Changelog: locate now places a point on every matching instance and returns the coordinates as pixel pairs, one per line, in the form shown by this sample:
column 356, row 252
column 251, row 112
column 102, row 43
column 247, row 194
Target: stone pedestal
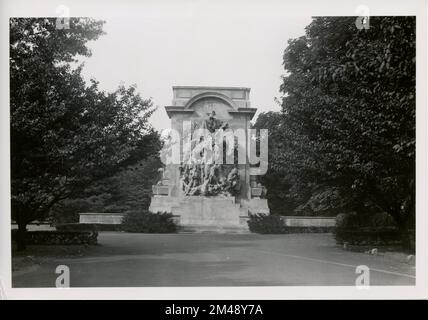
column 161, row 203
column 255, row 206
column 199, row 213
column 161, row 190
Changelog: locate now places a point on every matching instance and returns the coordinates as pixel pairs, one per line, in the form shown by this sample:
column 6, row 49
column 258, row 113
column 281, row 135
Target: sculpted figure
column 213, row 175
column 194, row 177
column 207, row 169
column 213, row 123
column 185, row 178
column 163, row 177
column 233, row 183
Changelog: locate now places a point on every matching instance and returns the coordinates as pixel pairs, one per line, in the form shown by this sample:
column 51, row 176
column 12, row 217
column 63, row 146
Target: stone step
column 212, row 222
column 212, row 229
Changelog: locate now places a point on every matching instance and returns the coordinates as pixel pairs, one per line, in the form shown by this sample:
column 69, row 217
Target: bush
column 59, row 237
column 354, row 220
column 148, row 222
column 350, row 220
column 368, row 236
column 76, row 227
column 67, row 210
column 108, row 227
column 88, row 227
column 382, row 219
column 266, row 224
column 377, row 229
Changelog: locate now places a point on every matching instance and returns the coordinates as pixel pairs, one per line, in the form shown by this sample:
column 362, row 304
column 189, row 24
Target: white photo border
column 103, row 9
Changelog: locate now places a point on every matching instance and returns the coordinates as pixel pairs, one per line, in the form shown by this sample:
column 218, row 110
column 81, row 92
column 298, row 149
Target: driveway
column 138, row 260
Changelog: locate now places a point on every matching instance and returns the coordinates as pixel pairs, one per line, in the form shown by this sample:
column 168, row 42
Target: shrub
column 382, row 219
column 59, row 237
column 148, row 222
column 77, row 227
column 88, row 227
column 326, row 203
column 266, row 224
column 108, row 227
column 368, row 236
column 377, row 229
column 67, row 210
column 354, row 220
column 350, row 220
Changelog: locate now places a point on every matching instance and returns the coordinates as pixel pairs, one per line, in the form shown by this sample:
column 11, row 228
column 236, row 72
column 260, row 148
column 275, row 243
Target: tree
column 64, row 134
column 127, row 190
column 349, row 115
column 278, row 182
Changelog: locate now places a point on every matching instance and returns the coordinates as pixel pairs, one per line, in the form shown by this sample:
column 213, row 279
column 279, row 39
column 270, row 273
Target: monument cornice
column 213, row 88
column 250, row 111
column 171, row 110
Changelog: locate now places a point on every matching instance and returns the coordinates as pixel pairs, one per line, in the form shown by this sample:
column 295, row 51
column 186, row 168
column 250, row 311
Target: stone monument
column 210, row 185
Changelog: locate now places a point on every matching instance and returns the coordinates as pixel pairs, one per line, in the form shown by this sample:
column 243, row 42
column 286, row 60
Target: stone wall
column 101, row 218
column 297, row 221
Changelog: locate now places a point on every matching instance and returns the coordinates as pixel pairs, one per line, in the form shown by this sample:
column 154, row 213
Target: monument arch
column 209, row 94
column 204, row 196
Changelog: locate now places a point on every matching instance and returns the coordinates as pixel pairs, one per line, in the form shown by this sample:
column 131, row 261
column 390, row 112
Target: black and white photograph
column 226, row 145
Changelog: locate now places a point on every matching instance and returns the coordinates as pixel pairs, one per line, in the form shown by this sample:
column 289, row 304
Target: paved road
column 138, row 260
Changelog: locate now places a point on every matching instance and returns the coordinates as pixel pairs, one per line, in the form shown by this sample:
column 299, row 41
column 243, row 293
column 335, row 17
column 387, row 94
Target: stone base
column 203, row 214
column 163, row 203
column 256, row 205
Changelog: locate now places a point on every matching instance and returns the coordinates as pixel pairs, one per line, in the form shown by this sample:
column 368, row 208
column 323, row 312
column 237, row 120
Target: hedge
column 368, row 236
column 88, row 227
column 354, row 220
column 266, row 224
column 148, row 222
column 357, row 229
column 76, row 227
column 59, row 237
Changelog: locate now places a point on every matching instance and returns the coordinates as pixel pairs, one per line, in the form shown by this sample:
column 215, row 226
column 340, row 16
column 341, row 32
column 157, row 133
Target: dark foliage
column 345, row 139
column 64, row 134
column 354, row 220
column 58, row 237
column 266, row 224
column 147, row 222
column 76, row 227
column 368, row 236
column 127, row 190
column 379, row 229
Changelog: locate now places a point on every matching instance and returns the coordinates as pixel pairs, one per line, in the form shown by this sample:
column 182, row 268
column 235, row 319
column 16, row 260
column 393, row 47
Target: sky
column 193, row 46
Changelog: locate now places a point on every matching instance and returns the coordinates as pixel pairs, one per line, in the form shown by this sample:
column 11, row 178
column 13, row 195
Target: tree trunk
column 20, row 237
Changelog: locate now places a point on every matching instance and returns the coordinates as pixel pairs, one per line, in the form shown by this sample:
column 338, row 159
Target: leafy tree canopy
column 348, row 117
column 65, row 134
